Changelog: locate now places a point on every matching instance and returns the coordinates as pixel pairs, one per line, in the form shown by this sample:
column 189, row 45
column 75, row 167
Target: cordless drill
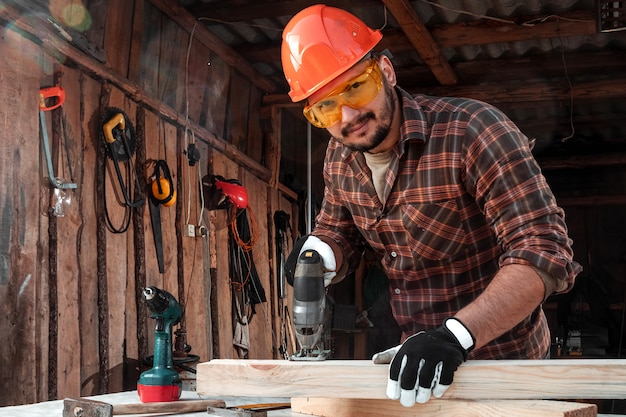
column 162, row 382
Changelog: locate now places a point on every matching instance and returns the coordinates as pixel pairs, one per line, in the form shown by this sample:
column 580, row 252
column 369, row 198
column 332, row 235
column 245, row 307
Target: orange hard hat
column 320, row 43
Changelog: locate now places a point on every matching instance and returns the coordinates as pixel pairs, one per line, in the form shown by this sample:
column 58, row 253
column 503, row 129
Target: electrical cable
column 571, row 96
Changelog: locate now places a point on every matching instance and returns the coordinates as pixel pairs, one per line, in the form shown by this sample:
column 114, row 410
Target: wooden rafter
column 421, row 39
column 514, row 92
column 455, row 35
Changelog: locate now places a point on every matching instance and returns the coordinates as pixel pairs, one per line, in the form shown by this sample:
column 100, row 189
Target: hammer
column 83, row 407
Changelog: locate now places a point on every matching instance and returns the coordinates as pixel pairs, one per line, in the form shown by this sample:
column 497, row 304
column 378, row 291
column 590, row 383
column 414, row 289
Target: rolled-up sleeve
column 516, row 199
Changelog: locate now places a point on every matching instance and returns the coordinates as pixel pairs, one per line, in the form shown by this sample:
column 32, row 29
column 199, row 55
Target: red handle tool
column 46, row 94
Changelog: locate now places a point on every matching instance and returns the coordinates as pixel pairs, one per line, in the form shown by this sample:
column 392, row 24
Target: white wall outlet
column 190, row 230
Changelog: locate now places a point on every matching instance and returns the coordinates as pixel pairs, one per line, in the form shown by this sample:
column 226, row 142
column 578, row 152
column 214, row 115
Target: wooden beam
column 352, row 407
column 474, row 380
column 451, row 36
column 534, row 92
column 421, row 39
column 225, row 12
column 484, row 31
column 511, row 92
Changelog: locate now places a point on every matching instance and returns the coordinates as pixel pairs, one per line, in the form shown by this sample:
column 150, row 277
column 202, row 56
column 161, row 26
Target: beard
column 367, row 143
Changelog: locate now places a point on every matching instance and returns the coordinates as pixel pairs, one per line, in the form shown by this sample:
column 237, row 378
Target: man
column 445, row 190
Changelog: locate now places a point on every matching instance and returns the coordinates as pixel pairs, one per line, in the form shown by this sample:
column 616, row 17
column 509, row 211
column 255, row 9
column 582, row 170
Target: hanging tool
column 161, row 383
column 281, row 223
column 224, row 193
column 84, row 407
column 162, row 192
column 56, row 95
column 310, row 315
column 121, row 142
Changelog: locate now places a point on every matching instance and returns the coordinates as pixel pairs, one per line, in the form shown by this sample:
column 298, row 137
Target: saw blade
column 125, row 143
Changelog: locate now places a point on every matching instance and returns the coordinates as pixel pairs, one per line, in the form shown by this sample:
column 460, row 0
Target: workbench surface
column 55, row 408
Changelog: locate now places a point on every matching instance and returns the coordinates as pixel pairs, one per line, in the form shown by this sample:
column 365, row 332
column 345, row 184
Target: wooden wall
column 71, row 314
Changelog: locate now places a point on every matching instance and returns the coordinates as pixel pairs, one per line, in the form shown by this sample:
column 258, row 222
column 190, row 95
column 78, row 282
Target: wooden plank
column 22, row 285
column 215, row 102
column 474, row 380
column 353, row 407
column 167, row 151
column 261, row 328
column 119, row 259
column 255, row 142
column 68, row 230
column 118, row 35
column 221, row 301
column 197, row 285
column 238, row 108
column 196, row 96
column 171, row 64
column 135, row 54
column 87, row 242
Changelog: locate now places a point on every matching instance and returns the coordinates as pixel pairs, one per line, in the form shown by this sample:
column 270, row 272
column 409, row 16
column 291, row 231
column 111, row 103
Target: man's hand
column 425, row 363
column 311, row 242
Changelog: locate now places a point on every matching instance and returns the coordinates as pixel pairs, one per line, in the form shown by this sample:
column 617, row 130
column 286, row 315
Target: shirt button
column 397, row 290
column 393, row 254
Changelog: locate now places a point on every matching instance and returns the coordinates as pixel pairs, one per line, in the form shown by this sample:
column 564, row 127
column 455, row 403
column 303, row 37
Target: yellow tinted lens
column 324, row 113
column 356, row 93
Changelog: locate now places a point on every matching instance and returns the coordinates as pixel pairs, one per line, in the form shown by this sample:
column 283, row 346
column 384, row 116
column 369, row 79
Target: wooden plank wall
column 70, row 286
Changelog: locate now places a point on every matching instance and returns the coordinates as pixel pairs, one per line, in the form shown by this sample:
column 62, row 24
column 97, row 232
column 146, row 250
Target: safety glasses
column 355, row 93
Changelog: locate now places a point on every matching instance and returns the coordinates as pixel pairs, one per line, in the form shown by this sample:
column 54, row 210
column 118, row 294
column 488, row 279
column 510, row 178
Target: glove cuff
column 460, row 332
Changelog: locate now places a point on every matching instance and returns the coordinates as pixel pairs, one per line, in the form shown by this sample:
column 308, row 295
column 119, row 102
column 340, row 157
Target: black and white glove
column 425, row 363
column 311, row 242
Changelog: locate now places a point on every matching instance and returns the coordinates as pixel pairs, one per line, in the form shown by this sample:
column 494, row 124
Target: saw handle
column 48, row 93
column 112, row 123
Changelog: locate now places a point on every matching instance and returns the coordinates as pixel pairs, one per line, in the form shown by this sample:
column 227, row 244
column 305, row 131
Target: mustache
column 365, row 117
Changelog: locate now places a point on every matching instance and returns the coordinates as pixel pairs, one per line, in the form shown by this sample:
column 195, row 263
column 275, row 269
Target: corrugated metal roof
column 566, row 53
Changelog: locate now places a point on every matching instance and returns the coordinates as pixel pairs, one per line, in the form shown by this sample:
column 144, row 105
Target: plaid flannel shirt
column 463, row 196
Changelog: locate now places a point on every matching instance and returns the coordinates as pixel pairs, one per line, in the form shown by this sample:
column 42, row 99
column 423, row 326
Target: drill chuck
column 156, row 299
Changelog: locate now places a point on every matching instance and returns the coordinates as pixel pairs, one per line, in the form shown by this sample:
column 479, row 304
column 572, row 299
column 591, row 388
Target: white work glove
column 327, row 255
column 425, row 363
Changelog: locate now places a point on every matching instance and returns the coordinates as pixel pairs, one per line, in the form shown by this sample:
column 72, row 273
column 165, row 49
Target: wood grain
column 352, row 407
column 474, row 380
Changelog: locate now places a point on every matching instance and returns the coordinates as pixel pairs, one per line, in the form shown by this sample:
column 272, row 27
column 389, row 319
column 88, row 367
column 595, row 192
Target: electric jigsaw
column 161, row 383
column 310, row 313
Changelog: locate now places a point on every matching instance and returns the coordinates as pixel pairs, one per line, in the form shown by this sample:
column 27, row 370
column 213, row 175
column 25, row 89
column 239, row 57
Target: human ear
column 386, row 67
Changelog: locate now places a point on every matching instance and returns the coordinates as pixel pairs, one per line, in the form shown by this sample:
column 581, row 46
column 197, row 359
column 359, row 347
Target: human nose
column 348, row 113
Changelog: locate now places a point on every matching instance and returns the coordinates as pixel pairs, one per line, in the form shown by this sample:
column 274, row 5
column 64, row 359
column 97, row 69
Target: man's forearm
column 514, row 293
